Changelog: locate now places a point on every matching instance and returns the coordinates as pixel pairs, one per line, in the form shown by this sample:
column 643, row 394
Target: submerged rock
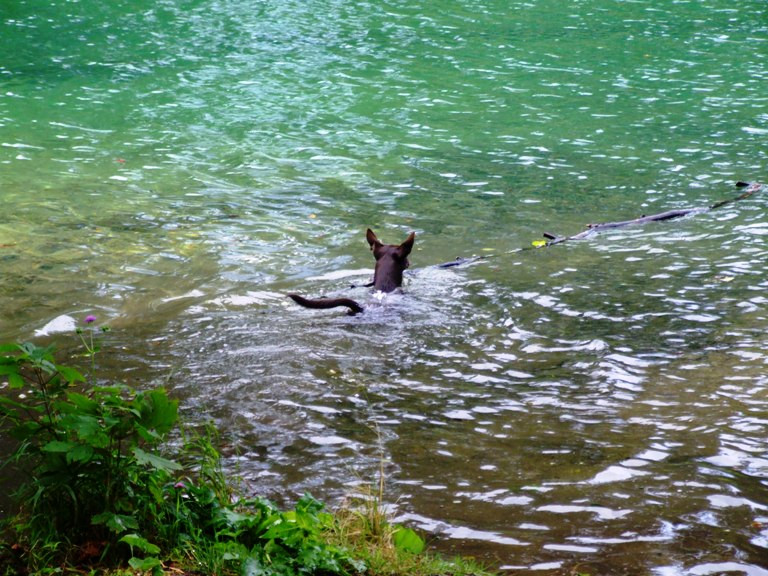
column 63, row 323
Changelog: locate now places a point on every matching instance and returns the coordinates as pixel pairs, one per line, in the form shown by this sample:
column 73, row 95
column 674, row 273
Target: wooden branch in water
column 552, row 239
column 592, row 228
column 751, row 188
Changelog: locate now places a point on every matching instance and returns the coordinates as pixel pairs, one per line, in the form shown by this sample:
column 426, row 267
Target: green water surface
column 174, row 167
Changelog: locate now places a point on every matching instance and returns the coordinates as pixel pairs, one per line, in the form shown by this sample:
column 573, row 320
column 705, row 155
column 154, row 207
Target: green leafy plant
column 253, row 536
column 88, row 458
column 366, row 523
column 96, row 487
column 90, row 342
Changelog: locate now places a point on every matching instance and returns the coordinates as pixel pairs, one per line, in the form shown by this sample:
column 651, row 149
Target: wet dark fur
column 391, row 262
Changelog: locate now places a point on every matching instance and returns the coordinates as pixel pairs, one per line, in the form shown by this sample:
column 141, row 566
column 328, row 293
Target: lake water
column 599, row 406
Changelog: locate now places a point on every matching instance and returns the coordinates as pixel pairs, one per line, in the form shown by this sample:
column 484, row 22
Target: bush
column 91, row 471
column 96, row 488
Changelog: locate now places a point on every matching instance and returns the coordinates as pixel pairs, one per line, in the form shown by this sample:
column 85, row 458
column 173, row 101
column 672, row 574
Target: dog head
column 391, row 261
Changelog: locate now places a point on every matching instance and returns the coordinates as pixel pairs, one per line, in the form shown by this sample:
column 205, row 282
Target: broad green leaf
column 80, row 453
column 58, row 446
column 15, row 381
column 39, row 356
column 70, row 374
column 309, row 503
column 82, row 402
column 234, row 518
column 149, row 436
column 90, row 429
column 407, row 540
column 157, row 462
column 158, row 411
column 136, row 541
column 110, row 390
column 116, row 522
column 145, row 564
column 4, row 401
column 8, row 348
column 27, row 430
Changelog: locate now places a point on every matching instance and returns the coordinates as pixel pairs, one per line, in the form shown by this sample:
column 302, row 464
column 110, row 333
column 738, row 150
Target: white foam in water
column 616, row 474
column 723, row 567
column 329, row 440
column 601, row 512
column 190, row 294
column 341, row 274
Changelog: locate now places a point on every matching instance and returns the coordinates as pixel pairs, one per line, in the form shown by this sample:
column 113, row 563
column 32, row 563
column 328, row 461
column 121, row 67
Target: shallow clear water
column 598, row 406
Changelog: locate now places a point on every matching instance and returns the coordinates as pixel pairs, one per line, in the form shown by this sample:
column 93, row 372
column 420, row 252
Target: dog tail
column 322, row 303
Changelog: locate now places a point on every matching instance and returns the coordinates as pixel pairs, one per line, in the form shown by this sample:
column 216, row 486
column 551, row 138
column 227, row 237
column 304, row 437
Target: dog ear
column 407, row 246
column 371, row 237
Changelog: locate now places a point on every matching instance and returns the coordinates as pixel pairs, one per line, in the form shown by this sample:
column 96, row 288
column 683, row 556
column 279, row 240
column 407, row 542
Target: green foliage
column 95, row 480
column 365, row 527
column 90, row 343
column 407, row 540
column 259, row 538
column 90, row 470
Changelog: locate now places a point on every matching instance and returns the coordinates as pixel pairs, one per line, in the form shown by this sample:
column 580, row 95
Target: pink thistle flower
column 90, row 319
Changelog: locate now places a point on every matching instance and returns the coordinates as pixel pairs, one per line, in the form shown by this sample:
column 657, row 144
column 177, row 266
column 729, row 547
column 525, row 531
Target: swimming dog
column 391, row 262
